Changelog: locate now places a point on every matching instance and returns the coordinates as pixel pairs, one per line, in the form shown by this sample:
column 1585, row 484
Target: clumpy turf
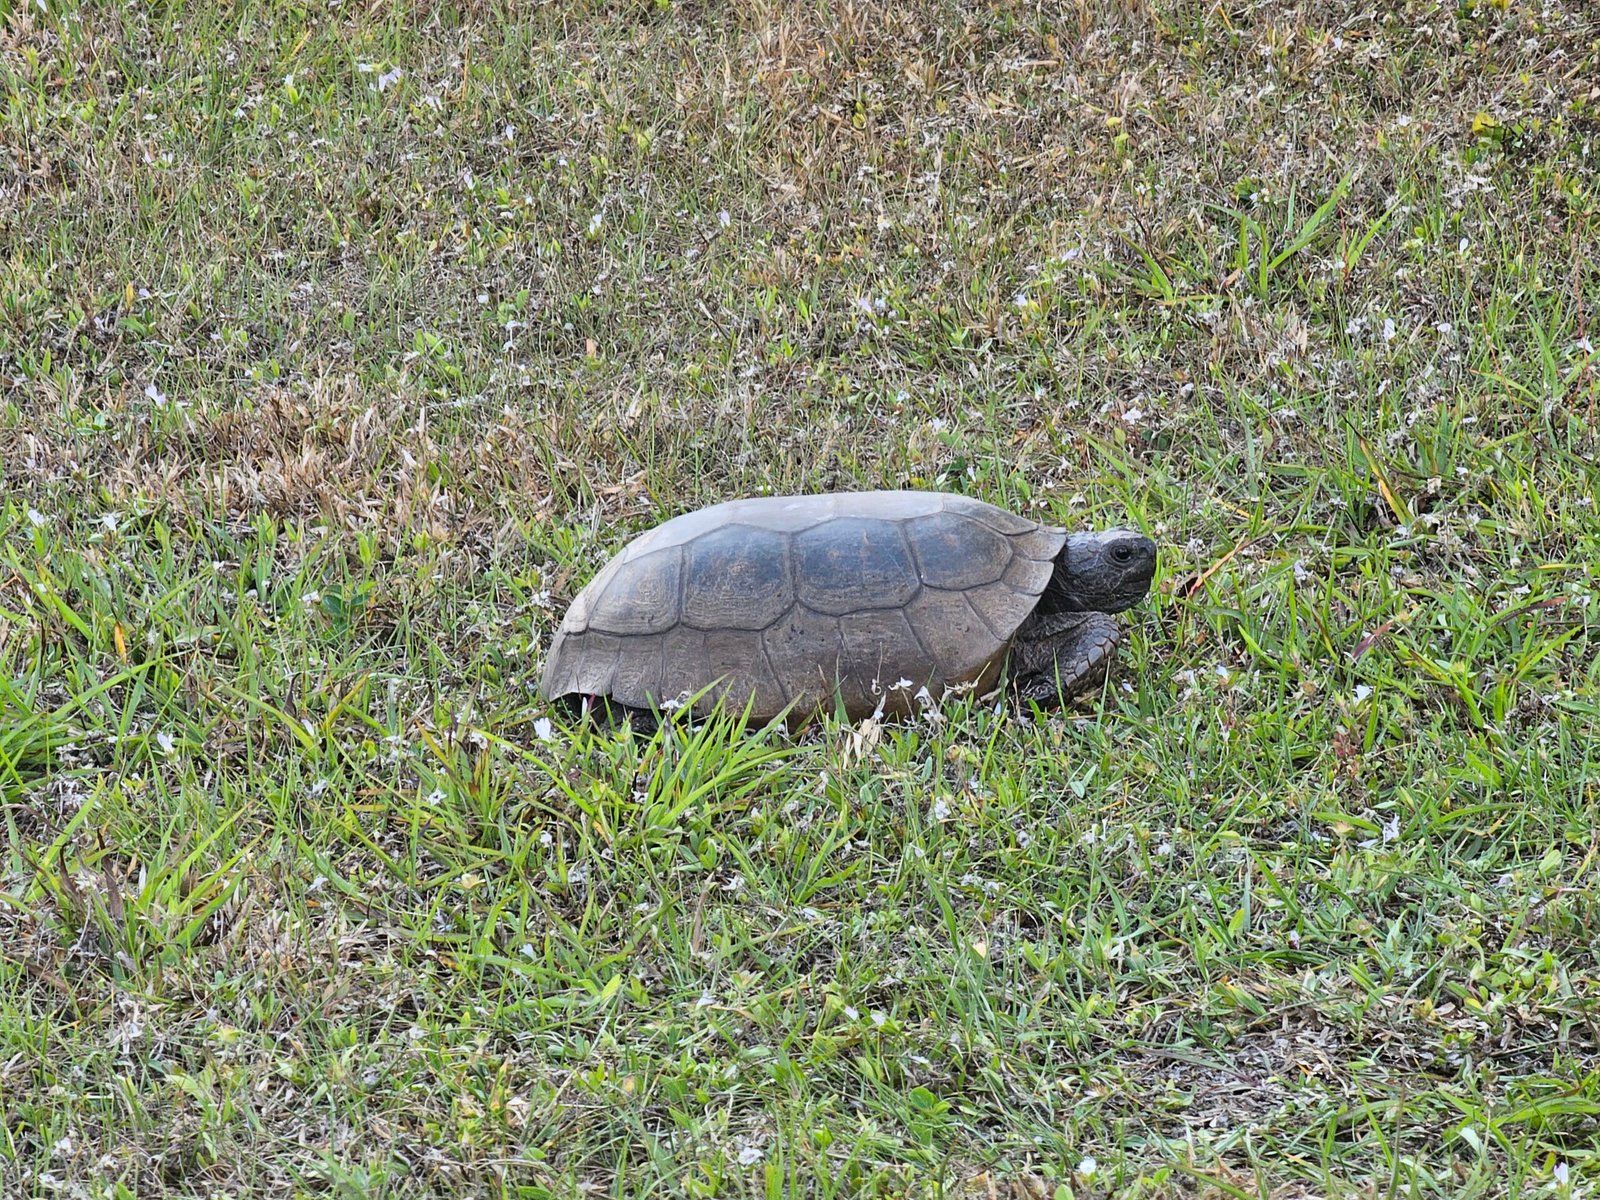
column 340, row 344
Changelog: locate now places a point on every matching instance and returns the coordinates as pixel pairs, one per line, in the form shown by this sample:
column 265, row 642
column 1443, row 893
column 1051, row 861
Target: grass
column 341, row 344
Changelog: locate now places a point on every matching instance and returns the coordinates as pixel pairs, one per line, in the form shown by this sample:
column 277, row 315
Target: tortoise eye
column 1122, row 553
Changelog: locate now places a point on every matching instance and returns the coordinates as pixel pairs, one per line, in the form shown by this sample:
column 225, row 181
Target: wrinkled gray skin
column 1065, row 649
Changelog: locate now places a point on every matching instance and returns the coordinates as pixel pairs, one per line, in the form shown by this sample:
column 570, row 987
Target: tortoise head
column 1106, row 571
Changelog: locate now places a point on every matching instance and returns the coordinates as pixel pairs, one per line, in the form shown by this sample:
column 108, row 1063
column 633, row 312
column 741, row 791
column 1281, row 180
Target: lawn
column 341, row 342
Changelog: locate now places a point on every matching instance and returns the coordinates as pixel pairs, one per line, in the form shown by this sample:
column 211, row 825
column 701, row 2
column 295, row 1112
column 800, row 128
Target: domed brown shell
column 864, row 596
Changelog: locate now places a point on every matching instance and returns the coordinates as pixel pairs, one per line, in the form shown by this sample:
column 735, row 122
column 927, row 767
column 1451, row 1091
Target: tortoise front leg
column 1059, row 656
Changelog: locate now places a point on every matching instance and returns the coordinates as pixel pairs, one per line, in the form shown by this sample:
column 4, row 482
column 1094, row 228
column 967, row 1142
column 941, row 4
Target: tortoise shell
column 863, row 597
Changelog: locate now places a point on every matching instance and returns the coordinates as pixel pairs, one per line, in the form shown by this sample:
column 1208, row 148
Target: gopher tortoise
column 852, row 602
